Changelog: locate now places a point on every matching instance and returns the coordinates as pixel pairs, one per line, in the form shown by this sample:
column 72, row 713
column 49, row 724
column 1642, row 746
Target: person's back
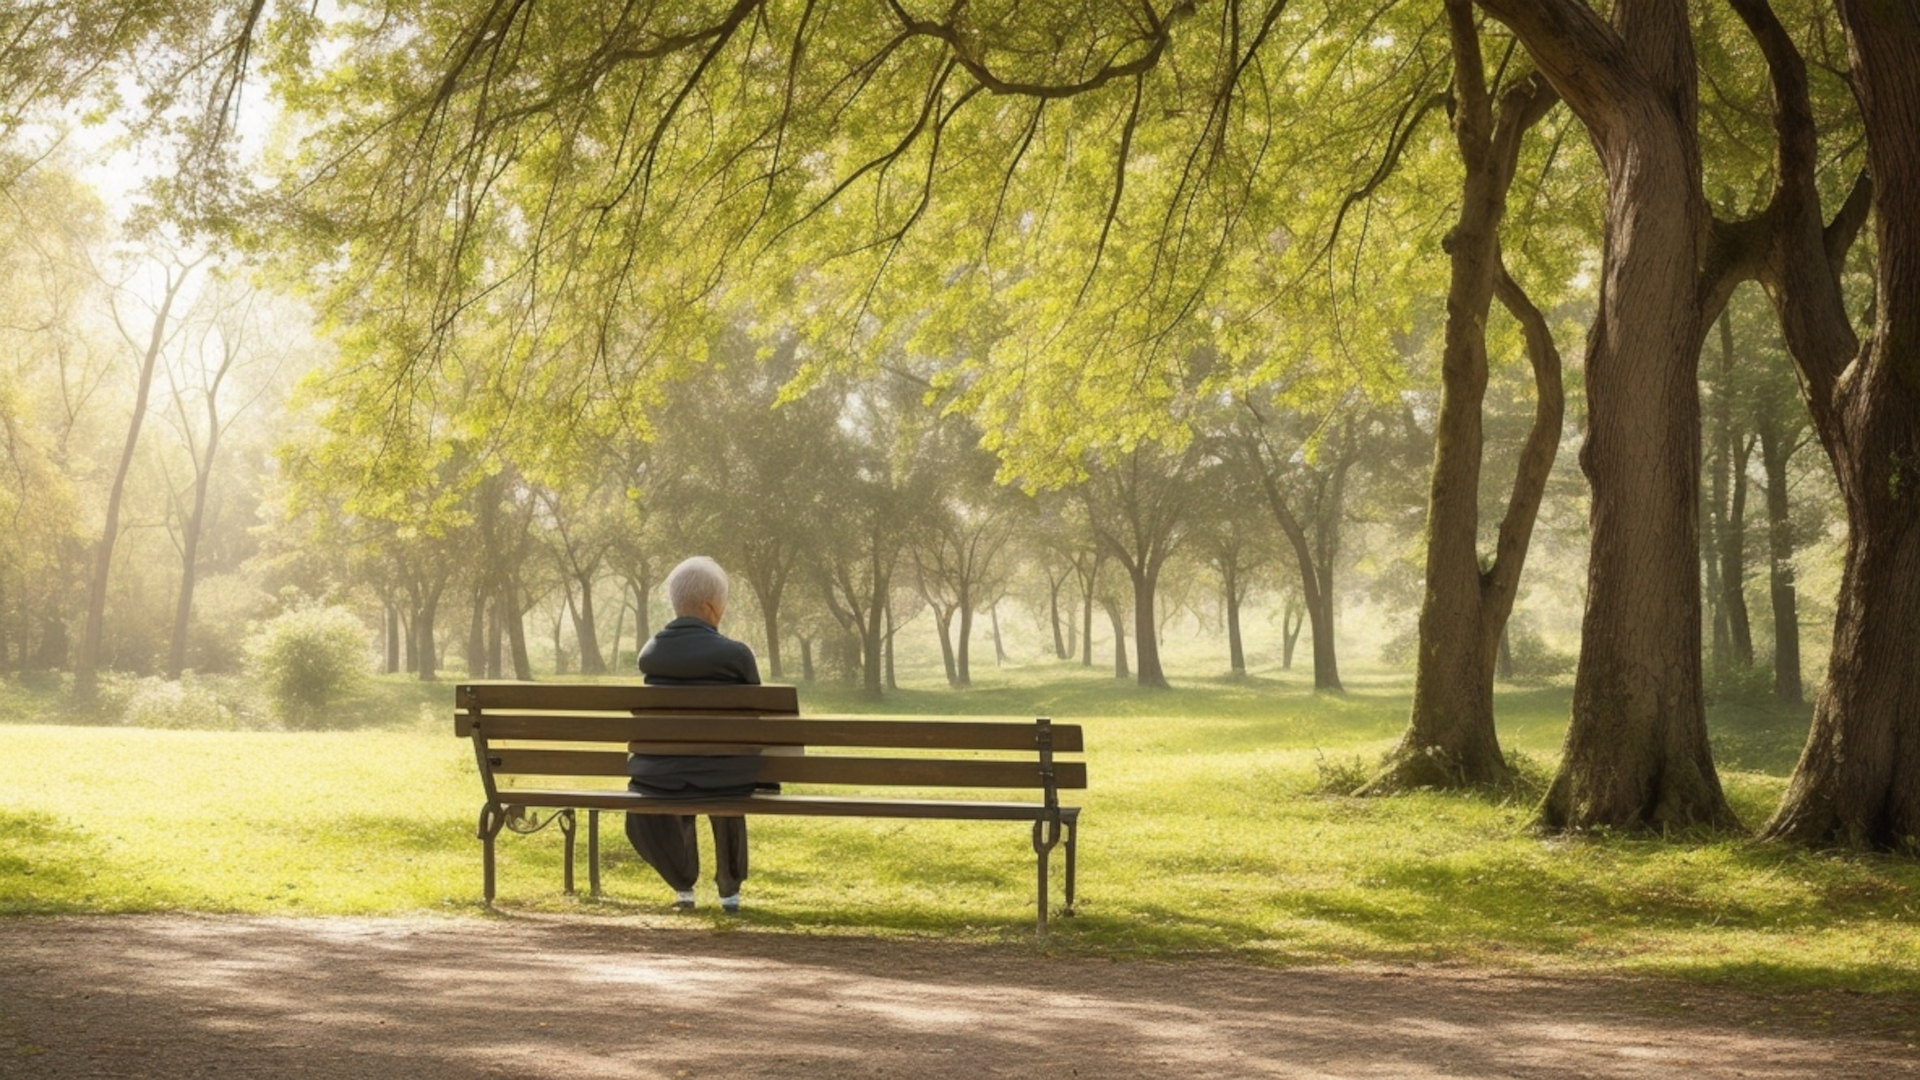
column 691, row 651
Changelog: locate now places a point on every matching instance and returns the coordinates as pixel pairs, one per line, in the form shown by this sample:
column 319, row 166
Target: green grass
column 1203, row 834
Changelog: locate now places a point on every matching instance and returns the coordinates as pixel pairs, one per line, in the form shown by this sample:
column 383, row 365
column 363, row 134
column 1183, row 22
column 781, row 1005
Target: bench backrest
column 585, row 731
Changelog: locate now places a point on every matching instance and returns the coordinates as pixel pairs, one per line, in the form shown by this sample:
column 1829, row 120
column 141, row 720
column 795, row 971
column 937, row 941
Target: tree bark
column 1780, row 584
column 1858, row 780
column 1236, row 649
column 1119, row 640
column 477, row 634
column 1451, row 740
column 1292, row 618
column 1636, row 752
column 1146, row 641
column 943, row 625
column 515, row 616
column 963, row 648
column 586, row 634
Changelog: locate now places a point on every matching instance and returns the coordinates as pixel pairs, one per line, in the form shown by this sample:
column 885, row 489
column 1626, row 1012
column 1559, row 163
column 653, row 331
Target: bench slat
column 789, row 806
column 784, row 731
column 901, row 772
column 626, row 697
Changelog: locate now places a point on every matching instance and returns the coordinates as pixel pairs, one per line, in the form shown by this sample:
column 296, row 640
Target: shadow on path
column 422, row 999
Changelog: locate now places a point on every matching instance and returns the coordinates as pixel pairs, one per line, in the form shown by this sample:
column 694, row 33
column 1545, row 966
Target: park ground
column 647, row 997
column 262, row 903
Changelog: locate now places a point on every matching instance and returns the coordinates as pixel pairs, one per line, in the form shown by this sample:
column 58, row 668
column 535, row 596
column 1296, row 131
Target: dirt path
column 423, row 999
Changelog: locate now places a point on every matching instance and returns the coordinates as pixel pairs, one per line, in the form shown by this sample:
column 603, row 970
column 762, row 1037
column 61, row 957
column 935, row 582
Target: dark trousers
column 669, row 844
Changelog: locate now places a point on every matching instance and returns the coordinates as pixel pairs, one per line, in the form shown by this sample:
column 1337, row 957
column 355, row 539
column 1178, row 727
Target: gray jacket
column 689, row 652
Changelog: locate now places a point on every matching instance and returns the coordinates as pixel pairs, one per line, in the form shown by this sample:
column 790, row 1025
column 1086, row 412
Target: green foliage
column 306, row 660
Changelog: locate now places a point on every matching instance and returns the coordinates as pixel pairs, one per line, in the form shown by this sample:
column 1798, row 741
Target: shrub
column 189, row 703
column 307, row 659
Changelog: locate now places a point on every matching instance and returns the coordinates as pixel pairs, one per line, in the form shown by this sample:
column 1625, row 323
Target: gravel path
column 425, row 998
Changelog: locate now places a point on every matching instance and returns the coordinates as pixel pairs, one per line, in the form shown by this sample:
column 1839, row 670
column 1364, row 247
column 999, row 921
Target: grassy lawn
column 1204, row 832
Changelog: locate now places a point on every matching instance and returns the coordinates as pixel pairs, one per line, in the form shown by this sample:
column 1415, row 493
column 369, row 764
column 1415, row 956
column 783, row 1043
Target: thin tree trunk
column 1086, row 630
column 1780, row 583
column 515, row 617
column 999, row 647
column 477, row 635
column 1236, row 651
column 496, row 641
column 94, row 635
column 1119, row 641
column 1292, row 618
column 892, row 683
column 963, row 647
column 1054, row 585
column 1733, row 554
column 190, row 547
column 392, row 636
column 1714, row 519
column 585, row 633
column 429, row 669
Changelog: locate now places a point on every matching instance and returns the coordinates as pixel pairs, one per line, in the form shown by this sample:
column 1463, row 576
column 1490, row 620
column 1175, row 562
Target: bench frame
column 747, row 719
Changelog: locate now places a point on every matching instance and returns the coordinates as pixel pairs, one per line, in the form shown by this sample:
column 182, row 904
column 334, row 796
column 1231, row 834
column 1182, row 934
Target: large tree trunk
column 1636, row 752
column 1450, row 740
column 1858, row 780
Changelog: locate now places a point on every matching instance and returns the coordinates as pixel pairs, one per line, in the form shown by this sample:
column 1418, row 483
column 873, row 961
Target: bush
column 189, row 703
column 1534, row 661
column 307, row 659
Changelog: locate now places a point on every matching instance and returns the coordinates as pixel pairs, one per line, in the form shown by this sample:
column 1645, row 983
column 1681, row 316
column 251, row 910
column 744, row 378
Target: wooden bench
column 563, row 748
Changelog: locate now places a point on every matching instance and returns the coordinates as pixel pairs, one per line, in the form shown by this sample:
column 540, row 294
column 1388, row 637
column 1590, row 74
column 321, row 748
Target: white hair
column 696, row 581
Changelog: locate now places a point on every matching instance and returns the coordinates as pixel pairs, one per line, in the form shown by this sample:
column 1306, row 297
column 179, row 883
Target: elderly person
column 691, row 651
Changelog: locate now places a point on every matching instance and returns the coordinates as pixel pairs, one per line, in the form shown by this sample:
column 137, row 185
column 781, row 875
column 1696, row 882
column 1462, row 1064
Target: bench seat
column 560, row 739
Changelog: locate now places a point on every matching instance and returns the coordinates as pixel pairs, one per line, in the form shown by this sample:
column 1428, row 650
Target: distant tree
column 146, row 344
column 1140, row 506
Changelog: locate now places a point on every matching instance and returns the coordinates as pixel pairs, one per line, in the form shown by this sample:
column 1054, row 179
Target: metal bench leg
column 593, row 853
column 1043, row 893
column 566, row 830
column 491, row 819
column 1046, row 834
column 1073, row 834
